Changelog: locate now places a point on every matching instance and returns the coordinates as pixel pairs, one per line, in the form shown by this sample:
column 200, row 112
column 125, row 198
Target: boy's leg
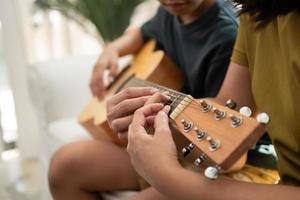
column 80, row 169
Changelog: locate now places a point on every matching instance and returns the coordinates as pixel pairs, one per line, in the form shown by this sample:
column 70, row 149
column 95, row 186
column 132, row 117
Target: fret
column 174, row 103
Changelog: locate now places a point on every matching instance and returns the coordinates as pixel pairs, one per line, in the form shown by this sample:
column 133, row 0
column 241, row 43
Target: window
column 8, row 125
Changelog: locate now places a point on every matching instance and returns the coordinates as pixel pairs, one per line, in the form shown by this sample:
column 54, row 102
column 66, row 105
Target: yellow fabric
column 273, row 57
column 255, row 175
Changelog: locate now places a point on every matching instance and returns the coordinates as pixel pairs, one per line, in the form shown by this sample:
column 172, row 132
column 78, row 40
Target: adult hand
column 121, row 107
column 150, row 154
column 107, row 60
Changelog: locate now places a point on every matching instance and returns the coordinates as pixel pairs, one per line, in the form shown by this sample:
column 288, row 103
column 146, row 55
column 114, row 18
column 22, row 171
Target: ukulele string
column 193, row 104
column 172, row 93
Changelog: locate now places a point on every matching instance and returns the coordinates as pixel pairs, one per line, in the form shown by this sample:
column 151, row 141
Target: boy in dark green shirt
column 201, row 49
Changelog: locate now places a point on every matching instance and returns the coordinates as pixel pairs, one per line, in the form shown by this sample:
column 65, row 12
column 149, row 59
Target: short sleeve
column 239, row 54
column 151, row 29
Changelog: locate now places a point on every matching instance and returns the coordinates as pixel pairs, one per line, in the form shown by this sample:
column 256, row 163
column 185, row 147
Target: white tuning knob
column 263, row 118
column 246, row 111
column 211, row 173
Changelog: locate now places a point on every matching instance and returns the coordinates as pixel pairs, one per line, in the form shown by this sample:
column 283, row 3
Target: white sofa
column 59, row 90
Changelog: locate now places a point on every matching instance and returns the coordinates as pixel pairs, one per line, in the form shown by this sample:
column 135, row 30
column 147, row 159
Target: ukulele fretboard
column 177, row 99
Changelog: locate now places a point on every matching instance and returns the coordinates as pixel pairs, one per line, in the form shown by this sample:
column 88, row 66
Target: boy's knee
column 62, row 167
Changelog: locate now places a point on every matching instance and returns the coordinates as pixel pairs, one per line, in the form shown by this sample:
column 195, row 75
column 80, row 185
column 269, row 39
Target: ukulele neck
column 178, row 100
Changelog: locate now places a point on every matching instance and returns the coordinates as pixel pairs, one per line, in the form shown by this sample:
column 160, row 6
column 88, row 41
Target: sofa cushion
column 61, row 87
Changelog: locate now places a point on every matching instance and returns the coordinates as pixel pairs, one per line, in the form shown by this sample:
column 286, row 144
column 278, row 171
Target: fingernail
column 154, row 90
column 161, row 105
column 167, row 109
column 166, row 94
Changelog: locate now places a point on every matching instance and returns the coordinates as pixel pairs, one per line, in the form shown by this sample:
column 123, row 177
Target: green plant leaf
column 110, row 17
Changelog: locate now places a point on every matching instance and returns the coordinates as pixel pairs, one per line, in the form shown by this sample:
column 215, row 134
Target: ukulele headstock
column 222, row 135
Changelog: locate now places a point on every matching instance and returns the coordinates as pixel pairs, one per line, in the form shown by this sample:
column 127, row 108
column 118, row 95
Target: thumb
column 113, row 68
column 162, row 128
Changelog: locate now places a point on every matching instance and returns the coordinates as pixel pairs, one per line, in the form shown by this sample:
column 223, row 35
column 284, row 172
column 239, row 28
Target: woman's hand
column 151, row 154
column 121, row 107
column 107, row 60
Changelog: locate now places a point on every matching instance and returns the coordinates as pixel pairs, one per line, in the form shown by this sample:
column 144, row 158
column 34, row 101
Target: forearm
column 180, row 184
column 130, row 42
column 237, row 86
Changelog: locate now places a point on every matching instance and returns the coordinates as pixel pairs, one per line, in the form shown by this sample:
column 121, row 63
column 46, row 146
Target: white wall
column 12, row 15
column 0, row 39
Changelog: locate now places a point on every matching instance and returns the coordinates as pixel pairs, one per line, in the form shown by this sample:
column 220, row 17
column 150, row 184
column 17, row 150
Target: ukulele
column 209, row 134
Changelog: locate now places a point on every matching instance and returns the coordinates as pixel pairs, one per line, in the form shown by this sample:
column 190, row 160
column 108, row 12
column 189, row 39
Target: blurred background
column 47, row 51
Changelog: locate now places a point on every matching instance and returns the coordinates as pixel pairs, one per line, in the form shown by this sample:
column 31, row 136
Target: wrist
column 171, row 180
column 111, row 48
column 181, row 183
column 165, row 173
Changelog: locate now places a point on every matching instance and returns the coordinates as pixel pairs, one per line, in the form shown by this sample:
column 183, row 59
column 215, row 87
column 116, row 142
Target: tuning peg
column 205, row 107
column 246, row 111
column 200, row 134
column 213, row 144
column 187, row 126
column 218, row 113
column 235, row 121
column 212, row 172
column 231, row 104
column 187, row 150
column 263, row 118
column 199, row 160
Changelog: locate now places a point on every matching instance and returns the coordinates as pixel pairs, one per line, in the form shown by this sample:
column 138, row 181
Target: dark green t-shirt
column 201, row 49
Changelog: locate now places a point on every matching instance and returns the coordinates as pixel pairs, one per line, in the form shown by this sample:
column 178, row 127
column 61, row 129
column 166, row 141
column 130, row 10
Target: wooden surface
column 253, row 174
column 235, row 142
